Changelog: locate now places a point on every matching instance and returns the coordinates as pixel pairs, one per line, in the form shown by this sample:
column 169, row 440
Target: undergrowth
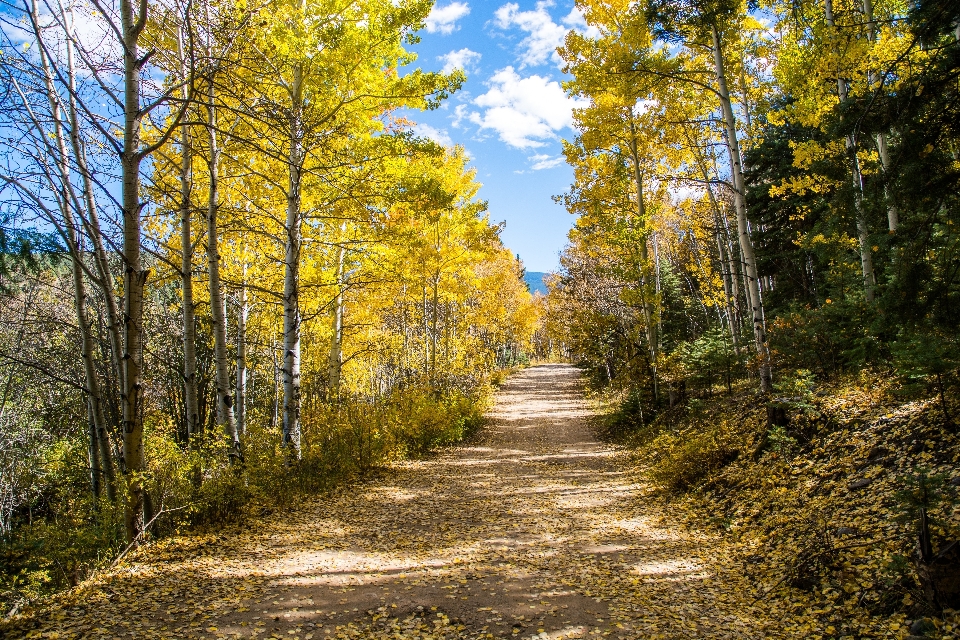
column 813, row 508
column 65, row 534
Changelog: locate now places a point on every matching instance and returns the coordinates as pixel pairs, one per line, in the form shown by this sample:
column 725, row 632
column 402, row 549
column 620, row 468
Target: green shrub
column 681, row 460
column 65, row 534
column 780, row 441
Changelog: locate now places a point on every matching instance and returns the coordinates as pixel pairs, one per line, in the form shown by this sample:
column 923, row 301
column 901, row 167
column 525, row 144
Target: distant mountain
column 534, row 280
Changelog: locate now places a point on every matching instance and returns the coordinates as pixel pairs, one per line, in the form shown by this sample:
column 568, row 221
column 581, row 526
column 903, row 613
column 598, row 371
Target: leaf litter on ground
column 534, row 530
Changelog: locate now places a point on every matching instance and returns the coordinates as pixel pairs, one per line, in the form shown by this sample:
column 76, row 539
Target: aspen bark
column 218, row 312
column 743, row 231
column 242, row 311
column 85, row 324
column 728, row 294
column 893, row 214
column 863, row 231
column 191, row 403
column 434, row 312
column 726, row 259
column 650, row 323
column 138, row 509
column 277, row 366
column 737, row 279
column 426, row 329
column 93, row 455
column 336, row 339
column 729, row 284
column 190, row 397
column 291, row 277
column 94, row 395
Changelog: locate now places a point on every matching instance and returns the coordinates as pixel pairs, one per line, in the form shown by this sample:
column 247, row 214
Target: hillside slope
column 822, row 512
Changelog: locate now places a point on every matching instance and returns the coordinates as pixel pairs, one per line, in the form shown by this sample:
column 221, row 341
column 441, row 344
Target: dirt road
column 535, row 530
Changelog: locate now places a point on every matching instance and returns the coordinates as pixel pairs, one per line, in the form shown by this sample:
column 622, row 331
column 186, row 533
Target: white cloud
column 523, row 111
column 440, row 136
column 460, row 59
column 459, row 113
column 544, row 161
column 544, row 37
column 577, row 22
column 680, row 194
column 644, row 105
column 444, row 19
column 91, row 33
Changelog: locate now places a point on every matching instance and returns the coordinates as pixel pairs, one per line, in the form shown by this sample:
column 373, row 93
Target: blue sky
column 510, row 115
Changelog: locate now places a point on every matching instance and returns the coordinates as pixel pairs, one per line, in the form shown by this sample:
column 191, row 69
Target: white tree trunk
column 336, row 339
column 743, row 232
column 725, row 257
column 893, row 214
column 139, row 509
column 93, row 455
column 291, row 276
column 242, row 311
column 191, row 403
column 434, row 314
column 863, row 231
column 726, row 268
column 218, row 312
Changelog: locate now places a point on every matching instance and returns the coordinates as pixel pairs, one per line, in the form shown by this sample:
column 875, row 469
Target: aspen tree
column 863, row 230
column 51, row 146
column 89, row 214
column 102, row 462
column 310, row 54
column 126, row 26
column 218, row 311
column 893, row 214
column 335, row 360
column 243, row 310
column 191, row 407
column 739, row 199
column 626, row 53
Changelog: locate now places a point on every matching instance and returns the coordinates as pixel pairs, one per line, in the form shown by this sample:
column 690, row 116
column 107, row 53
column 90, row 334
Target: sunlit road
column 534, row 530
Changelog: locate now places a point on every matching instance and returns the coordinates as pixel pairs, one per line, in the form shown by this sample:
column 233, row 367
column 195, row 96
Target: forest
column 234, row 278
column 777, row 183
column 230, row 271
column 763, row 279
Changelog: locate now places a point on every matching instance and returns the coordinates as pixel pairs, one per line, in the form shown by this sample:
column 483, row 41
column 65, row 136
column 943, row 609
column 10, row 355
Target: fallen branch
column 143, row 531
column 18, row 606
column 793, row 570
